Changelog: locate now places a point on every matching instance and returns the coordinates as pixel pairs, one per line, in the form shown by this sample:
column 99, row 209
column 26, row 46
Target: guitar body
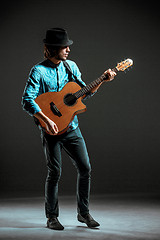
column 61, row 107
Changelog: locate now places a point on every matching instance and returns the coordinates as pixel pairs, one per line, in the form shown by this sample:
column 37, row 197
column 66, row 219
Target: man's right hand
column 51, row 126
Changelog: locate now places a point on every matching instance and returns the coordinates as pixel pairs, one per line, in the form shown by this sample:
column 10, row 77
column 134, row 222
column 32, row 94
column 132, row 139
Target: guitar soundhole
column 70, row 99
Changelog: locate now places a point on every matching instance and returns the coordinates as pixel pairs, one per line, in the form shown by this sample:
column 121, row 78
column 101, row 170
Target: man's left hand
column 111, row 74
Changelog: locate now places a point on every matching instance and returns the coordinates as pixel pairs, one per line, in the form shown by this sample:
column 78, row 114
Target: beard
column 61, row 56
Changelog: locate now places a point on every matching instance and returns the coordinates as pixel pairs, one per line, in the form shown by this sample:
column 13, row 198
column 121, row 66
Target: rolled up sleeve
column 31, row 91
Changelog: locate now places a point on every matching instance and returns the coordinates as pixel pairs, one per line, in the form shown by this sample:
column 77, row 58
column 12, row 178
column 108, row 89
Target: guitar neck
column 122, row 66
column 92, row 85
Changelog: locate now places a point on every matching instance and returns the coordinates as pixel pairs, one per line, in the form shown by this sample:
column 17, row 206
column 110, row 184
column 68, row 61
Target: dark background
column 122, row 124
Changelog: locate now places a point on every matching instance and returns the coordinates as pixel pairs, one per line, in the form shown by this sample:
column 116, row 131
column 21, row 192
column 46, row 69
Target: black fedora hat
column 57, row 37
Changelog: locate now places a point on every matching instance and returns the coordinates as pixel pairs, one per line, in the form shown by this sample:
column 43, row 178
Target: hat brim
column 68, row 43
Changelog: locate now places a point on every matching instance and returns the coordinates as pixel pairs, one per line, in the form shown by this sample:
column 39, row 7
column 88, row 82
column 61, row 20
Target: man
column 48, row 76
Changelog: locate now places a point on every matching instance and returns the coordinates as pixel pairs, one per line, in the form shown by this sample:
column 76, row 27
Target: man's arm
column 111, row 74
column 31, row 91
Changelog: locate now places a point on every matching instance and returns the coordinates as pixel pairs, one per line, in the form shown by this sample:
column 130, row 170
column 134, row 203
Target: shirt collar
column 51, row 64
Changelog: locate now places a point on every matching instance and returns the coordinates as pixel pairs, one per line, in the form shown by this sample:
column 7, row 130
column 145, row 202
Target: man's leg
column 75, row 146
column 52, row 148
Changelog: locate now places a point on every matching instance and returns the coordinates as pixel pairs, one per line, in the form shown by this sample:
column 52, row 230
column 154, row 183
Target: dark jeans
column 73, row 143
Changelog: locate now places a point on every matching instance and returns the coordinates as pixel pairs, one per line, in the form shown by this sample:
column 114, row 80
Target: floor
column 121, row 218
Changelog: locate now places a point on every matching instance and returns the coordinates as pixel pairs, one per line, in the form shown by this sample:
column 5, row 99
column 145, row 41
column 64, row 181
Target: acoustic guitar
column 61, row 107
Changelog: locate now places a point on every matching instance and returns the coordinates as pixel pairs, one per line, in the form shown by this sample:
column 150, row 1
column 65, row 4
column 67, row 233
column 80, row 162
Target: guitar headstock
column 122, row 66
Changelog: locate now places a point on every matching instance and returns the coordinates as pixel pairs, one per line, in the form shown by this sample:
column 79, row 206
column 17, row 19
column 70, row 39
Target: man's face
column 63, row 53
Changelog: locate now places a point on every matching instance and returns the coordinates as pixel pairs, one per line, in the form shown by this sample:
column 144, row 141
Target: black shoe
column 91, row 223
column 53, row 223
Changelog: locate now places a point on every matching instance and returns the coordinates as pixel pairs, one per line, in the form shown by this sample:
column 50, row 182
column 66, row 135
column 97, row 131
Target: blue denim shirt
column 48, row 77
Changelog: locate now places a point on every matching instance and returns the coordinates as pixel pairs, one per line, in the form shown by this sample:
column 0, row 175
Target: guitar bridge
column 55, row 110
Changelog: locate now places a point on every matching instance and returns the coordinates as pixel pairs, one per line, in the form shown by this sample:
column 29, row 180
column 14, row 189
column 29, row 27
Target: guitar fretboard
column 92, row 85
